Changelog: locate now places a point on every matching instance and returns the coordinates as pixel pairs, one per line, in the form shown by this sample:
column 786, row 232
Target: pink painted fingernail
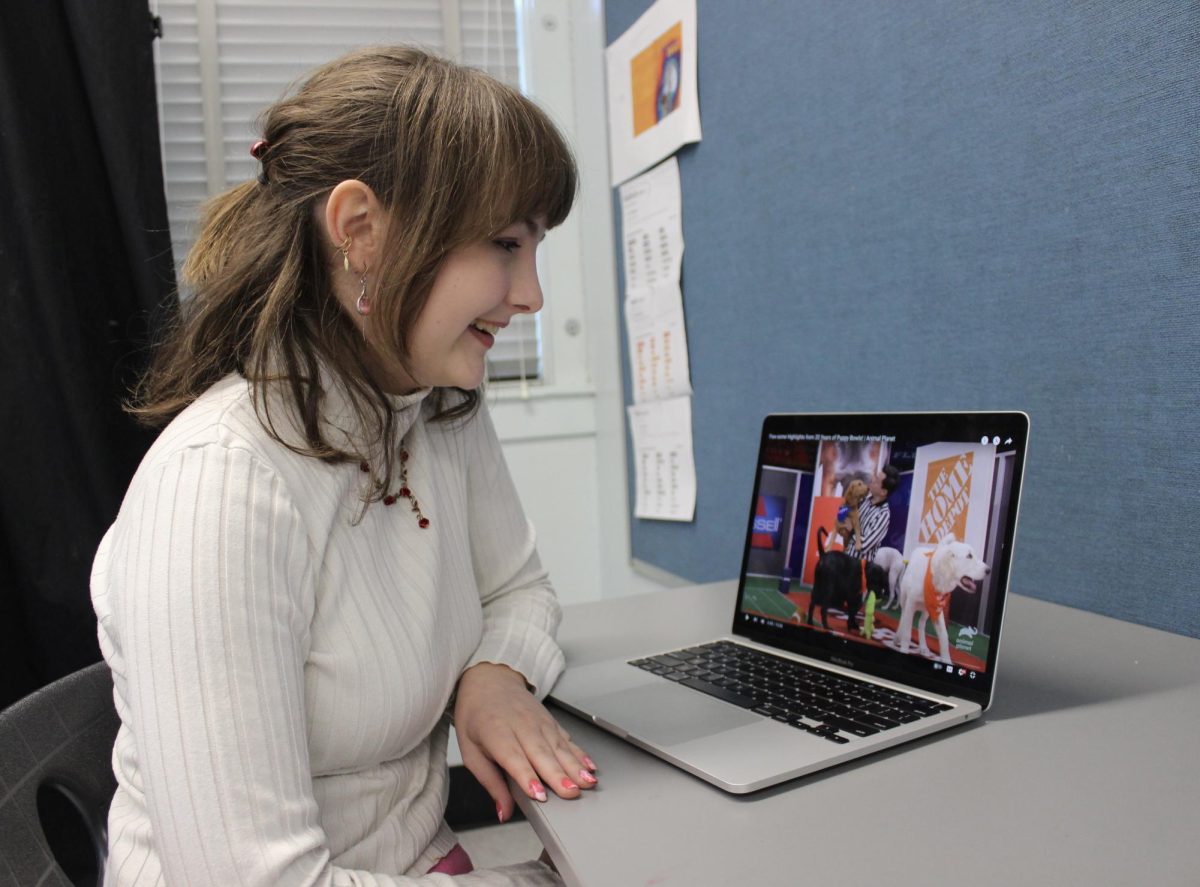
column 499, row 811
column 568, row 784
column 537, row 790
column 587, row 777
column 589, row 763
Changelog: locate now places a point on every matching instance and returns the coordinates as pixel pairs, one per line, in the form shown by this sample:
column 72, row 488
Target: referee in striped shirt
column 874, row 516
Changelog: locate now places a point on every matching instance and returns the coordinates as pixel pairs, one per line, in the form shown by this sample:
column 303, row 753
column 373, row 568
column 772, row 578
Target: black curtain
column 86, row 277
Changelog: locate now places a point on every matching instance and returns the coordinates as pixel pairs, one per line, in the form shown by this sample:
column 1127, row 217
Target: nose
column 525, row 295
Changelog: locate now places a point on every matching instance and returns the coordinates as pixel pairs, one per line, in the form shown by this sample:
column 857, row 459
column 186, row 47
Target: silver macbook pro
column 876, row 562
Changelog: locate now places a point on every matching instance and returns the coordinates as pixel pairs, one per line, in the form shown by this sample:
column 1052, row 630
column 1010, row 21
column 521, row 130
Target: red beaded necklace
column 404, row 492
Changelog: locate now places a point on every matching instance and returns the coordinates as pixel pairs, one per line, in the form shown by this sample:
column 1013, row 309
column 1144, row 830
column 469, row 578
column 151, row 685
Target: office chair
column 56, row 781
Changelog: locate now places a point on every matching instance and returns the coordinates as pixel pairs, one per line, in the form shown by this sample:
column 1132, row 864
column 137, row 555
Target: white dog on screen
column 932, row 575
column 892, row 561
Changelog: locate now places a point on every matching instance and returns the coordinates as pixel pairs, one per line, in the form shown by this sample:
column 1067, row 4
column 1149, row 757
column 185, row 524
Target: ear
column 353, row 211
column 947, row 539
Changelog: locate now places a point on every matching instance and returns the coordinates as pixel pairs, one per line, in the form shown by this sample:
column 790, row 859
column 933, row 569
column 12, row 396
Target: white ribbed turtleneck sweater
column 282, row 672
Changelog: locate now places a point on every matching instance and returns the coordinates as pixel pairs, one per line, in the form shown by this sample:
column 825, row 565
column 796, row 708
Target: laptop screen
column 883, row 542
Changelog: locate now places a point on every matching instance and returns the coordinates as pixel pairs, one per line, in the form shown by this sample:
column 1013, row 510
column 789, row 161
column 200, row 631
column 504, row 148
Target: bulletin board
column 955, row 205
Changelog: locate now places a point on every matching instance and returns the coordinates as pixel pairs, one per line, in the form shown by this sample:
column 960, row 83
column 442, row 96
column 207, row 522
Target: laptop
column 831, row 654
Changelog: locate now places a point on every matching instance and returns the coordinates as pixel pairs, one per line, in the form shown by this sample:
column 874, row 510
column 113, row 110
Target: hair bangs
column 544, row 178
column 530, row 172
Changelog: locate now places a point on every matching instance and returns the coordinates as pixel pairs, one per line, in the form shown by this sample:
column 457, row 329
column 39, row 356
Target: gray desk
column 1085, row 771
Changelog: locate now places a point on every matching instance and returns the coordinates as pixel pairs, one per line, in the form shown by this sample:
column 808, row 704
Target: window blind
column 222, row 62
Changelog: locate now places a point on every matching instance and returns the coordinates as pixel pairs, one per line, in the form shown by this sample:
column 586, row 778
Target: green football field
column 762, row 597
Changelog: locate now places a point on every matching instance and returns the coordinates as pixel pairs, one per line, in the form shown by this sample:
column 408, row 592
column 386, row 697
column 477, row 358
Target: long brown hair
column 453, row 154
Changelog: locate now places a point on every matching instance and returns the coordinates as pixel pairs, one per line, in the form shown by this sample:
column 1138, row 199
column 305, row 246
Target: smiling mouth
column 485, row 332
column 967, row 583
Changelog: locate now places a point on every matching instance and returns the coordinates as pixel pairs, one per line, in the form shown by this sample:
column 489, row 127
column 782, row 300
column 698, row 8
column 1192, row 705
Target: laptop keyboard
column 808, row 698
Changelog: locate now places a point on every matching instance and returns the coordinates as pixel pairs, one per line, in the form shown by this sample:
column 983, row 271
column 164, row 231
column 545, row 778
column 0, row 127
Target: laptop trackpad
column 668, row 714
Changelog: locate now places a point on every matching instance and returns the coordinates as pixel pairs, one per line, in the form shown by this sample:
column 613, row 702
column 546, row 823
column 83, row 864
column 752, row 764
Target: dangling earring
column 345, row 251
column 362, row 304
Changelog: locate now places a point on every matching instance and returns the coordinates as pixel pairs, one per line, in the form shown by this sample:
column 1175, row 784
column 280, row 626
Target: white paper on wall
column 664, row 468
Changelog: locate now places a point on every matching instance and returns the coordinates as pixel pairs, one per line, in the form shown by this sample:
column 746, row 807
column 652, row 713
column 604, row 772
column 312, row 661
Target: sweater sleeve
column 211, row 585
column 520, row 610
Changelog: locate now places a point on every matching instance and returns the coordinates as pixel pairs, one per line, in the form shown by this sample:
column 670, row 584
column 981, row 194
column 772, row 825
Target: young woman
column 322, row 559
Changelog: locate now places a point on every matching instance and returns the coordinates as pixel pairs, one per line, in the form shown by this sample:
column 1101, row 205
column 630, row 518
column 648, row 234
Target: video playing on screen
column 883, row 541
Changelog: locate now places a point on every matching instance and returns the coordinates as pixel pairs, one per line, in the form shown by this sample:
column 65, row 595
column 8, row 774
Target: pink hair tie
column 258, row 149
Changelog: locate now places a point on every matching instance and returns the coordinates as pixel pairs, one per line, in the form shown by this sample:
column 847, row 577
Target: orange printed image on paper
column 947, row 497
column 655, row 74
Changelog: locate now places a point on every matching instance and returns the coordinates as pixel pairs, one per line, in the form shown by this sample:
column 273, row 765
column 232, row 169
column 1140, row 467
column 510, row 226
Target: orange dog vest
column 935, row 601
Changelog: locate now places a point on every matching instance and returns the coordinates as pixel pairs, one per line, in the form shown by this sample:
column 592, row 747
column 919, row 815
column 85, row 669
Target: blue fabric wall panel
column 985, row 206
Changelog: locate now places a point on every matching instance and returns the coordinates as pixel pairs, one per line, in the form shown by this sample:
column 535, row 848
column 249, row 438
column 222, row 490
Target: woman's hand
column 502, row 729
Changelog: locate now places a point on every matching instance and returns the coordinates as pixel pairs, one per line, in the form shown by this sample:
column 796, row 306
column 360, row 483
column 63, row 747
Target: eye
column 508, row 245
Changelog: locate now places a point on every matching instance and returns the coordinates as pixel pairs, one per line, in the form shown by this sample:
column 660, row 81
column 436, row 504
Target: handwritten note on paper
column 652, row 227
column 657, row 343
column 664, row 467
column 653, row 246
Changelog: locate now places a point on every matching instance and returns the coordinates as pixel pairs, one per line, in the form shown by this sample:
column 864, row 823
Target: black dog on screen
column 838, row 583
